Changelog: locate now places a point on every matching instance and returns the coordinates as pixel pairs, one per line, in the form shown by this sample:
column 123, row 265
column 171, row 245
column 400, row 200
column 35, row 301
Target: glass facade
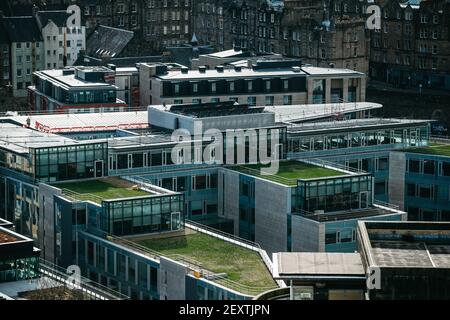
column 335, row 194
column 19, row 204
column 19, row 269
column 417, row 136
column 71, row 162
column 16, row 162
column 142, row 215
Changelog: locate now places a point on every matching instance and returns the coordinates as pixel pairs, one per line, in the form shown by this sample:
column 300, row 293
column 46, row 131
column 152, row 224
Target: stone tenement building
column 326, row 33
column 321, row 33
column 412, row 48
column 251, row 24
column 155, row 23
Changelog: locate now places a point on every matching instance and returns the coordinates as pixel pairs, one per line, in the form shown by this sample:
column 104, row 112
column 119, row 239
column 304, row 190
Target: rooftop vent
column 184, row 70
column 111, row 66
column 237, row 68
column 296, row 69
column 68, row 71
column 219, row 68
column 202, row 69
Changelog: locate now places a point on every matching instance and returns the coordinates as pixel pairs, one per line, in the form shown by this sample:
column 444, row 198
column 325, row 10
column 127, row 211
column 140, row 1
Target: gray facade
column 271, row 215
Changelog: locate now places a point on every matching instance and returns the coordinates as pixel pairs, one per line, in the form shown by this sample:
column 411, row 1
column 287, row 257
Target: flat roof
column 290, row 171
column 111, row 188
column 18, row 139
column 319, row 71
column 85, row 122
column 6, row 237
column 241, row 266
column 372, row 211
column 218, row 109
column 406, row 244
column 304, row 112
column 317, row 264
column 344, row 125
column 228, row 73
column 438, row 149
column 70, row 81
column 148, row 139
column 225, row 54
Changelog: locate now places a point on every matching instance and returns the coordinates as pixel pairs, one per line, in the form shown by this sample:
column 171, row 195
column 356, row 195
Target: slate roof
column 59, row 17
column 107, row 41
column 22, row 29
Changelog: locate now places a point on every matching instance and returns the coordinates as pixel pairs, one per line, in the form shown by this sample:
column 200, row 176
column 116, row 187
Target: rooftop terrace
column 99, row 190
column 290, row 171
column 243, row 267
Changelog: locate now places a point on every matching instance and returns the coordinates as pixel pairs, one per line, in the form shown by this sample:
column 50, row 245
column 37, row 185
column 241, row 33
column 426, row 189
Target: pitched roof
column 59, row 17
column 22, row 29
column 107, row 41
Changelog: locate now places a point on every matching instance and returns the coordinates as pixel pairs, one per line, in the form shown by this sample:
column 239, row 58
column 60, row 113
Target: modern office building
column 421, row 179
column 307, row 206
column 395, row 261
column 266, row 82
column 121, row 194
column 77, row 89
column 407, row 260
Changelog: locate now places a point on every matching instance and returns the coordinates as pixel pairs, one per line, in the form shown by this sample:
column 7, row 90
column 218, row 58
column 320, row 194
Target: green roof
column 290, row 171
column 433, row 148
column 245, row 269
column 99, row 190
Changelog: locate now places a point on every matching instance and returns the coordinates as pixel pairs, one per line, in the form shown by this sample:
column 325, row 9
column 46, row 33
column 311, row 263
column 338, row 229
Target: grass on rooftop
column 102, row 189
column 241, row 265
column 433, row 148
column 290, row 171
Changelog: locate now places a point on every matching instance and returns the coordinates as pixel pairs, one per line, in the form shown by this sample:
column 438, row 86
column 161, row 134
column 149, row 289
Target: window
column 195, row 87
column 446, row 169
column 414, row 166
column 428, row 167
column 426, row 192
column 249, row 86
column 269, row 100
column 231, row 86
column 330, row 238
column 411, row 189
column 287, row 100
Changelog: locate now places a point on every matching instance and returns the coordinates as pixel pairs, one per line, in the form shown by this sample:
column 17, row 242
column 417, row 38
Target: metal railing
column 92, row 289
column 72, row 195
column 442, row 139
column 386, row 204
column 333, row 165
column 257, row 173
column 64, row 111
column 197, row 268
column 235, row 240
column 146, row 185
